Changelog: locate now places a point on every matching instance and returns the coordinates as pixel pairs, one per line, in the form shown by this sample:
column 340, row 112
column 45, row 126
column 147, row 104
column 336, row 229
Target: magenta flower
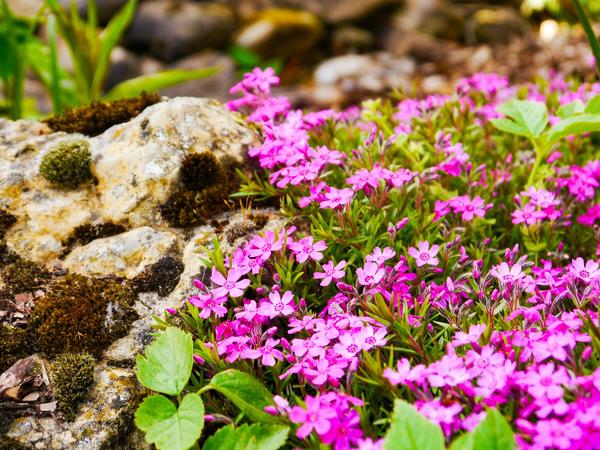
column 263, row 246
column 336, row 198
column 232, row 285
column 425, row 254
column 380, row 256
column 528, row 215
column 585, row 271
column 370, row 274
column 209, row 304
column 305, row 249
column 315, row 417
column 278, row 305
column 331, row 273
column 507, row 274
column 546, row 381
column 349, row 345
column 323, row 370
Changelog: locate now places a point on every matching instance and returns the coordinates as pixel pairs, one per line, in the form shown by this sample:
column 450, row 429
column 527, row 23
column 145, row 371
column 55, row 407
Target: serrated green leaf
column 493, row 433
column 168, row 362
column 157, row 81
column 410, row 430
column 566, row 111
column 169, row 427
column 529, row 118
column 245, row 392
column 248, row 437
column 579, row 124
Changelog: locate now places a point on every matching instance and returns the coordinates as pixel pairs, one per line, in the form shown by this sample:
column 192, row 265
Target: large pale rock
column 124, row 255
column 137, row 163
column 336, row 11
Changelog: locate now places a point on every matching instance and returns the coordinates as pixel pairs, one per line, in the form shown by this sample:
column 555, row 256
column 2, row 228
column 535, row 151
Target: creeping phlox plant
column 437, row 285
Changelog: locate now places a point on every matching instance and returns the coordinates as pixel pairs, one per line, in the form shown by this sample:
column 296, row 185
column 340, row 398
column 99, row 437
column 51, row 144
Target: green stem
column 593, row 40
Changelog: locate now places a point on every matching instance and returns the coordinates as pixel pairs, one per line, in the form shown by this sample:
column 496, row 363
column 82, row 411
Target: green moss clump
column 13, row 346
column 98, row 117
column 7, row 220
column 23, row 276
column 84, row 234
column 81, row 314
column 71, row 375
column 185, row 208
column 67, row 164
column 200, row 171
column 161, row 277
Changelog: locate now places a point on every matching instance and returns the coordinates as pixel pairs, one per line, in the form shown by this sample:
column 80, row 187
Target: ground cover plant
column 436, row 286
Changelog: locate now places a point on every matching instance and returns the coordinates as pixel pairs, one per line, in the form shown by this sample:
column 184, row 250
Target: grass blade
column 592, row 39
column 157, row 81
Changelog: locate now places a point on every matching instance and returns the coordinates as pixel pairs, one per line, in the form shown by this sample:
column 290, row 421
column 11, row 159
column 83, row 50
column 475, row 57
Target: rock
column 351, row 39
column 336, row 11
column 171, row 29
column 25, row 8
column 357, row 75
column 498, row 26
column 123, row 66
column 281, row 33
column 216, row 86
column 105, row 9
column 137, row 163
column 105, row 419
column 124, row 255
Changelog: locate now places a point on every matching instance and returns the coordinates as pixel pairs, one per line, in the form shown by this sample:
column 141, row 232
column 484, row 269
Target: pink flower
column 268, row 353
column 331, row 273
column 425, row 254
column 546, row 381
column 369, row 275
column 263, row 246
column 349, row 345
column 209, row 305
column 528, row 215
column 232, row 285
column 305, row 249
column 507, row 274
column 380, row 256
column 336, row 198
column 314, row 417
column 585, row 271
column 278, row 305
column 323, row 370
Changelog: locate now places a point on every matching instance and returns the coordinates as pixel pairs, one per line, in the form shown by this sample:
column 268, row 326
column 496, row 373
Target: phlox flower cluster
column 422, row 267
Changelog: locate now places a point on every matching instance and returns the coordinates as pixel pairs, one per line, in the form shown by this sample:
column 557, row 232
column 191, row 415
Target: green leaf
column 593, row 105
column 410, row 430
column 528, row 118
column 111, row 36
column 463, row 442
column 170, row 428
column 245, row 392
column 493, row 433
column 168, row 362
column 248, row 437
column 566, row 111
column 157, row 81
column 579, row 124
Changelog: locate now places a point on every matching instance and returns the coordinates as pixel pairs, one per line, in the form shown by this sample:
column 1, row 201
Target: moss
column 13, row 346
column 200, row 171
column 98, row 117
column 162, row 276
column 71, row 375
column 238, row 230
column 8, row 443
column 7, row 256
column 84, row 234
column 23, row 276
column 189, row 208
column 81, row 314
column 67, row 164
column 259, row 219
column 7, row 220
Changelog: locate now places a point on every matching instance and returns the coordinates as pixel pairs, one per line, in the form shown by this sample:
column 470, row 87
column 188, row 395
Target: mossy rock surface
column 81, row 314
column 14, row 345
column 71, row 375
